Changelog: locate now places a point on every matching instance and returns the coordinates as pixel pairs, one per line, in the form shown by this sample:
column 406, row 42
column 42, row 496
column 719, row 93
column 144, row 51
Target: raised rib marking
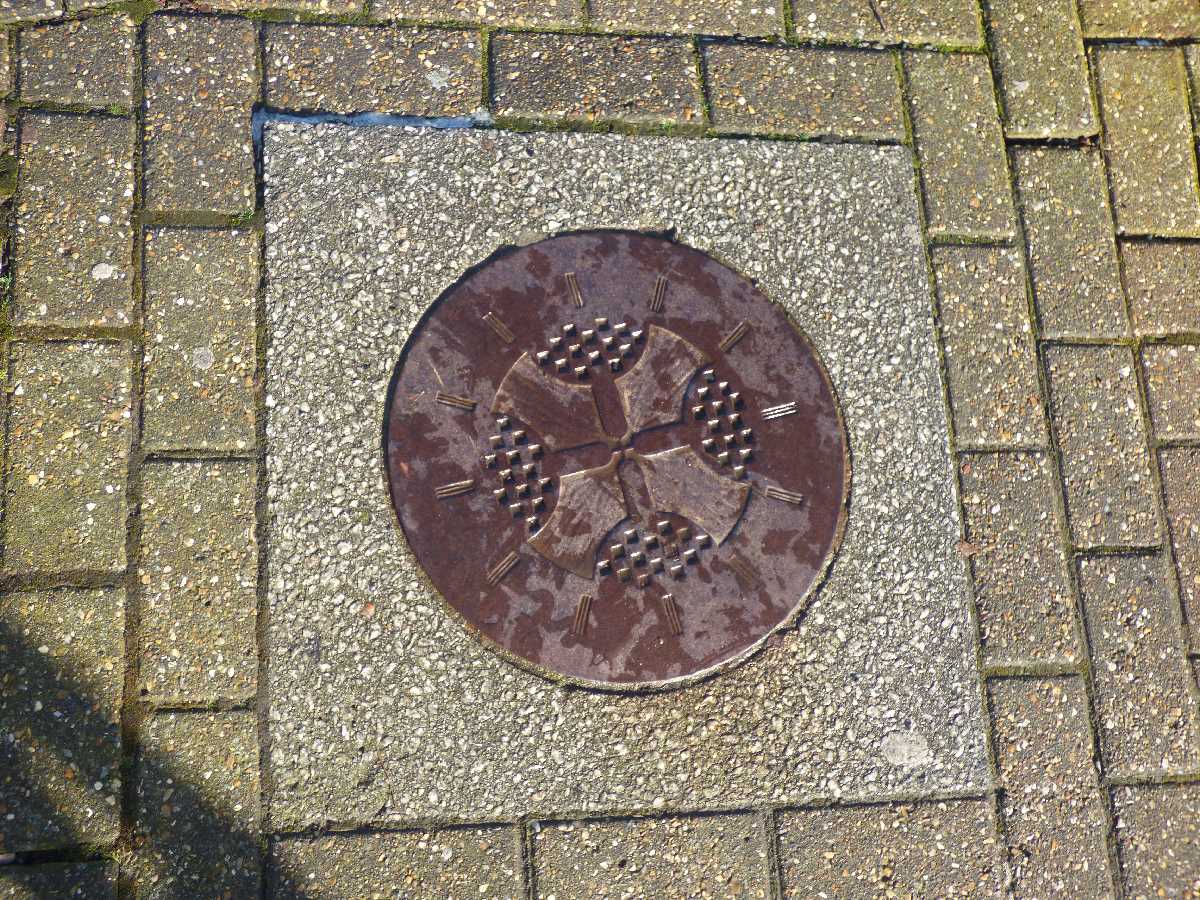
column 672, row 611
column 502, row 568
column 499, row 327
column 573, row 289
column 579, row 625
column 734, row 336
column 455, row 488
column 660, row 293
column 786, row 496
column 783, row 409
column 456, row 402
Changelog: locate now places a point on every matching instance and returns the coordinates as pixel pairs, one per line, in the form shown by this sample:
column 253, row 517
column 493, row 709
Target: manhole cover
column 615, row 458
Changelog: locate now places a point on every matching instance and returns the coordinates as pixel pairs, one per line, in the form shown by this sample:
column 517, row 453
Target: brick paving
column 1055, row 162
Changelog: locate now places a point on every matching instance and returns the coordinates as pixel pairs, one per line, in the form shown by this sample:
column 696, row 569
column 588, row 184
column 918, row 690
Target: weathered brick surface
column 197, row 806
column 852, row 20
column 322, row 7
column 74, row 248
column 851, row 93
column 23, row 10
column 198, row 571
column 487, row 12
column 921, row 850
column 1063, row 199
column 1173, row 389
column 750, row 17
column 1022, row 592
column 1139, row 18
column 201, row 81
column 1158, row 839
column 7, row 66
column 459, row 862
column 1181, row 488
column 1105, row 461
column 88, row 62
column 1144, row 707
column 940, row 22
column 1163, row 280
column 715, row 856
column 1041, row 68
column 964, row 173
column 585, row 78
column 68, row 452
column 1148, row 139
column 63, row 881
column 417, row 72
column 60, row 697
column 988, row 341
column 199, row 359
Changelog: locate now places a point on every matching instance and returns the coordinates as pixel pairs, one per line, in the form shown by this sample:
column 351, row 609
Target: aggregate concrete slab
column 381, row 705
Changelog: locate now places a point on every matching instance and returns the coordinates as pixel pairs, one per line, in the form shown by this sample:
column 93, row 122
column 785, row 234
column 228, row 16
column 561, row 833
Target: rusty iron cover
column 616, row 459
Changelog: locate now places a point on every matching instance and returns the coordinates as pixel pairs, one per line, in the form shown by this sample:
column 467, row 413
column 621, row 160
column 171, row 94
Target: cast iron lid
column 615, row 458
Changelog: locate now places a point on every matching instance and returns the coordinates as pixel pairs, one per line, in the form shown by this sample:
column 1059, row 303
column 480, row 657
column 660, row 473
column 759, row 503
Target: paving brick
column 750, row 17
column 1173, row 388
column 200, row 339
column 1022, row 591
column 419, row 72
column 74, row 253
column 960, row 144
column 848, row 93
column 457, row 862
column 1163, row 280
column 88, row 62
column 1063, row 199
column 1158, row 839
column 323, row 7
column 1144, row 708
column 586, row 78
column 941, row 22
column 1056, row 846
column 488, row 12
column 64, row 881
column 7, row 67
column 1105, row 464
column 833, row 20
column 69, row 438
column 1181, row 488
column 198, row 571
column 1041, row 68
column 60, row 736
column 990, row 355
column 197, row 806
column 1148, row 140
column 704, row 856
column 25, row 10
column 1138, row 18
column 921, row 850
column 201, row 82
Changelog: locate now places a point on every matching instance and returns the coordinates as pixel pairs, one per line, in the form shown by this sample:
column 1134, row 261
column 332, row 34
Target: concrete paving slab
column 1181, row 490
column 67, row 881
column 1163, row 280
column 1158, row 839
column 375, row 689
column 87, row 62
column 1173, row 389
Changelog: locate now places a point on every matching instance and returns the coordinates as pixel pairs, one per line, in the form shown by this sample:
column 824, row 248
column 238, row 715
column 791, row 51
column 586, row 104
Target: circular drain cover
column 615, row 458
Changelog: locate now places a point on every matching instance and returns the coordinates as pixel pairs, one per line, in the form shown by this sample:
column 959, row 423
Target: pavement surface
column 225, row 674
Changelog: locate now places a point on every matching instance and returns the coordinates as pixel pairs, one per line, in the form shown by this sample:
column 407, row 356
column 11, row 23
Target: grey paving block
column 198, row 571
column 1182, row 491
column 1063, row 198
column 8, row 67
column 26, row 10
column 74, row 245
column 68, row 453
column 964, row 172
column 919, row 850
column 1158, row 839
column 1041, row 68
column 1148, row 139
column 936, row 22
column 1167, row 19
column 837, row 20
column 1042, row 736
column 488, row 12
column 65, row 881
column 197, row 806
column 201, row 82
column 60, row 699
column 86, row 61
column 1163, row 280
column 991, row 360
column 199, row 362
column 480, row 863
column 1173, row 389
column 1096, row 415
column 848, row 93
column 749, row 17
column 584, row 78
column 417, row 72
column 714, row 856
column 312, row 7
column 1145, row 708
column 1022, row 588
column 1056, row 845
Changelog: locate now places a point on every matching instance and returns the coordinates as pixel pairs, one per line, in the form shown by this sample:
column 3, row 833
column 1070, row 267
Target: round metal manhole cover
column 615, row 458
